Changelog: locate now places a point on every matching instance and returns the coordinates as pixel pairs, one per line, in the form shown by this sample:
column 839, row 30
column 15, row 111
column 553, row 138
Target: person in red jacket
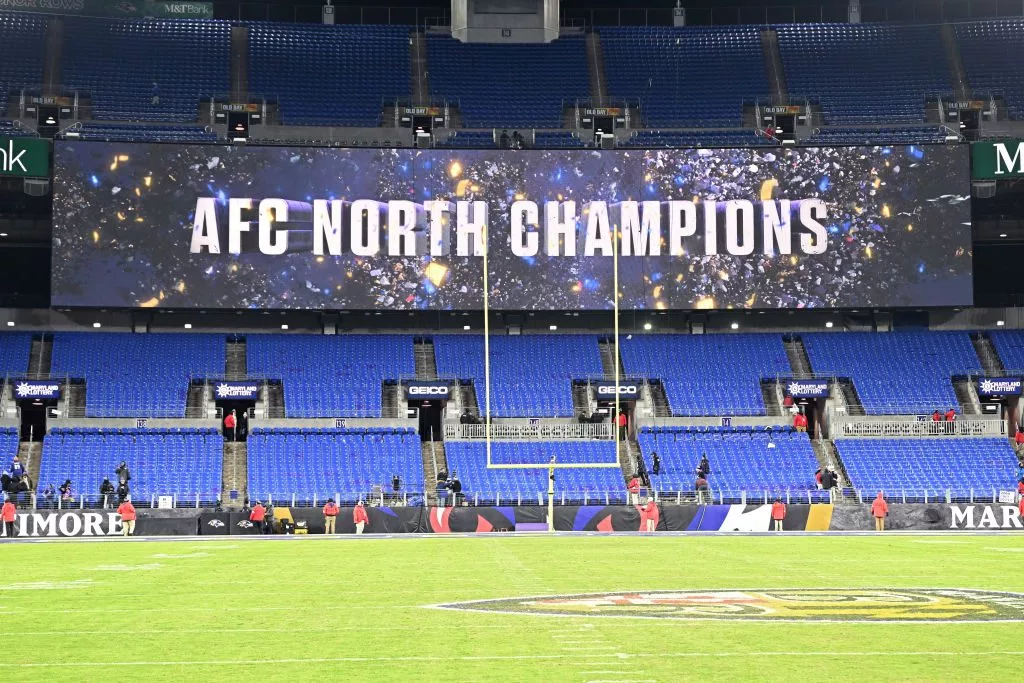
column 936, row 416
column 1020, row 487
column 230, row 426
column 1020, row 508
column 634, row 490
column 331, row 511
column 622, row 421
column 651, row 514
column 778, row 513
column 1018, row 441
column 879, row 510
column 258, row 514
column 360, row 517
column 800, row 422
column 9, row 514
column 127, row 512
column 950, row 415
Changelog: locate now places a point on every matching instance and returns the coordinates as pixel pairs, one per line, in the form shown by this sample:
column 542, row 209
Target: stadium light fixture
column 284, row 327
column 648, row 326
column 188, row 326
column 466, row 328
column 999, row 323
column 10, row 323
column 1002, row 234
column 97, row 325
column 735, row 326
column 828, row 324
column 552, row 327
column 3, row 234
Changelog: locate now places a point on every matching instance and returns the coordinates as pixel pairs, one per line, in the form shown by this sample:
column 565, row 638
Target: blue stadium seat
column 740, row 460
column 469, row 461
column 23, row 36
column 184, row 463
column 908, row 135
column 117, row 132
column 898, row 372
column 331, row 376
column 714, row 374
column 1009, row 344
column 329, row 75
column 136, row 375
column 117, row 62
column 865, row 73
column 15, row 348
column 686, row 77
column 9, row 441
column 506, row 86
column 710, row 138
column 990, row 53
column 933, row 465
column 531, row 375
column 312, row 463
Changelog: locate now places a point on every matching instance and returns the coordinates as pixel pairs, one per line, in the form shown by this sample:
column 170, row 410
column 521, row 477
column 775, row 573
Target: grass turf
column 354, row 609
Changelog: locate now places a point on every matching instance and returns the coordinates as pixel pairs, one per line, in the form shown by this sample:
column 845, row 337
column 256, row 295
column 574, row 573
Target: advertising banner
column 73, row 523
column 26, row 157
column 627, row 389
column 114, row 8
column 425, row 390
column 997, row 160
column 239, row 391
column 999, row 386
column 180, row 226
column 34, row 388
column 807, row 388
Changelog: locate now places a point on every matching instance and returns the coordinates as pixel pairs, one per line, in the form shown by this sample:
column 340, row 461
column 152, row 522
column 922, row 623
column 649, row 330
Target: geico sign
column 623, row 389
column 67, row 524
column 428, row 391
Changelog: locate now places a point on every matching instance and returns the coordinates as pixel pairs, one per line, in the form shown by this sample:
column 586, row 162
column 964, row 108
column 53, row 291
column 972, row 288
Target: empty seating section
column 548, row 139
column 331, row 376
column 710, row 138
column 329, row 75
column 531, row 375
column 502, row 85
column 123, row 63
column 933, row 465
column 185, row 462
column 990, row 52
column 136, row 375
column 686, row 76
column 8, row 445
column 863, row 73
column 911, row 135
column 24, row 38
column 1009, row 345
column 470, row 139
column 8, row 129
column 318, row 464
column 118, row 132
column 714, row 374
column 469, row 461
column 740, row 460
column 896, row 372
column 14, row 354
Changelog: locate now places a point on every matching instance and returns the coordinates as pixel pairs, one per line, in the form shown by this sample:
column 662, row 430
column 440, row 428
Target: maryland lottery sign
column 146, row 225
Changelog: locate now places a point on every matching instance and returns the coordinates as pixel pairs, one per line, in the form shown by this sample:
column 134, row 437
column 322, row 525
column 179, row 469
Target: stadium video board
column 209, row 226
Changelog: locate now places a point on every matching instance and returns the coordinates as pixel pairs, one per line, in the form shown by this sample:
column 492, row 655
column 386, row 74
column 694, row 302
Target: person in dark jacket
column 107, row 493
column 122, row 492
column 123, row 473
column 703, row 467
column 456, row 488
column 655, row 464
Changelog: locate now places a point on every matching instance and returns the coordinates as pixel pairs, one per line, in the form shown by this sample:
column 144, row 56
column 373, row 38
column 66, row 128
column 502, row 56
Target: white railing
column 845, row 426
column 525, row 432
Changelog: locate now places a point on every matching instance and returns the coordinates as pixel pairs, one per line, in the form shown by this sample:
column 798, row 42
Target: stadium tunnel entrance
column 33, row 413
column 430, row 414
column 243, row 410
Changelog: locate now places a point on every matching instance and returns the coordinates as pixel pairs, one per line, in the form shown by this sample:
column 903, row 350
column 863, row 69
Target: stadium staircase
column 468, row 398
column 580, row 398
column 235, row 360
column 627, row 452
column 990, row 360
column 390, row 401
column 426, row 359
column 608, row 359
column 957, row 72
column 773, row 65
column 239, row 63
column 770, row 393
column 595, row 68
column 826, row 454
column 195, row 403
column 967, row 399
column 434, row 461
column 234, row 477
column 275, row 399
column 660, row 400
column 74, row 398
column 797, row 355
column 31, row 455
column 851, row 398
column 418, row 61
column 51, row 58
column 40, row 355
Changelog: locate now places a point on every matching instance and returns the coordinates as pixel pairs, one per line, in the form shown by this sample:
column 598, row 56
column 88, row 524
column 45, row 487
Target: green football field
column 360, row 609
